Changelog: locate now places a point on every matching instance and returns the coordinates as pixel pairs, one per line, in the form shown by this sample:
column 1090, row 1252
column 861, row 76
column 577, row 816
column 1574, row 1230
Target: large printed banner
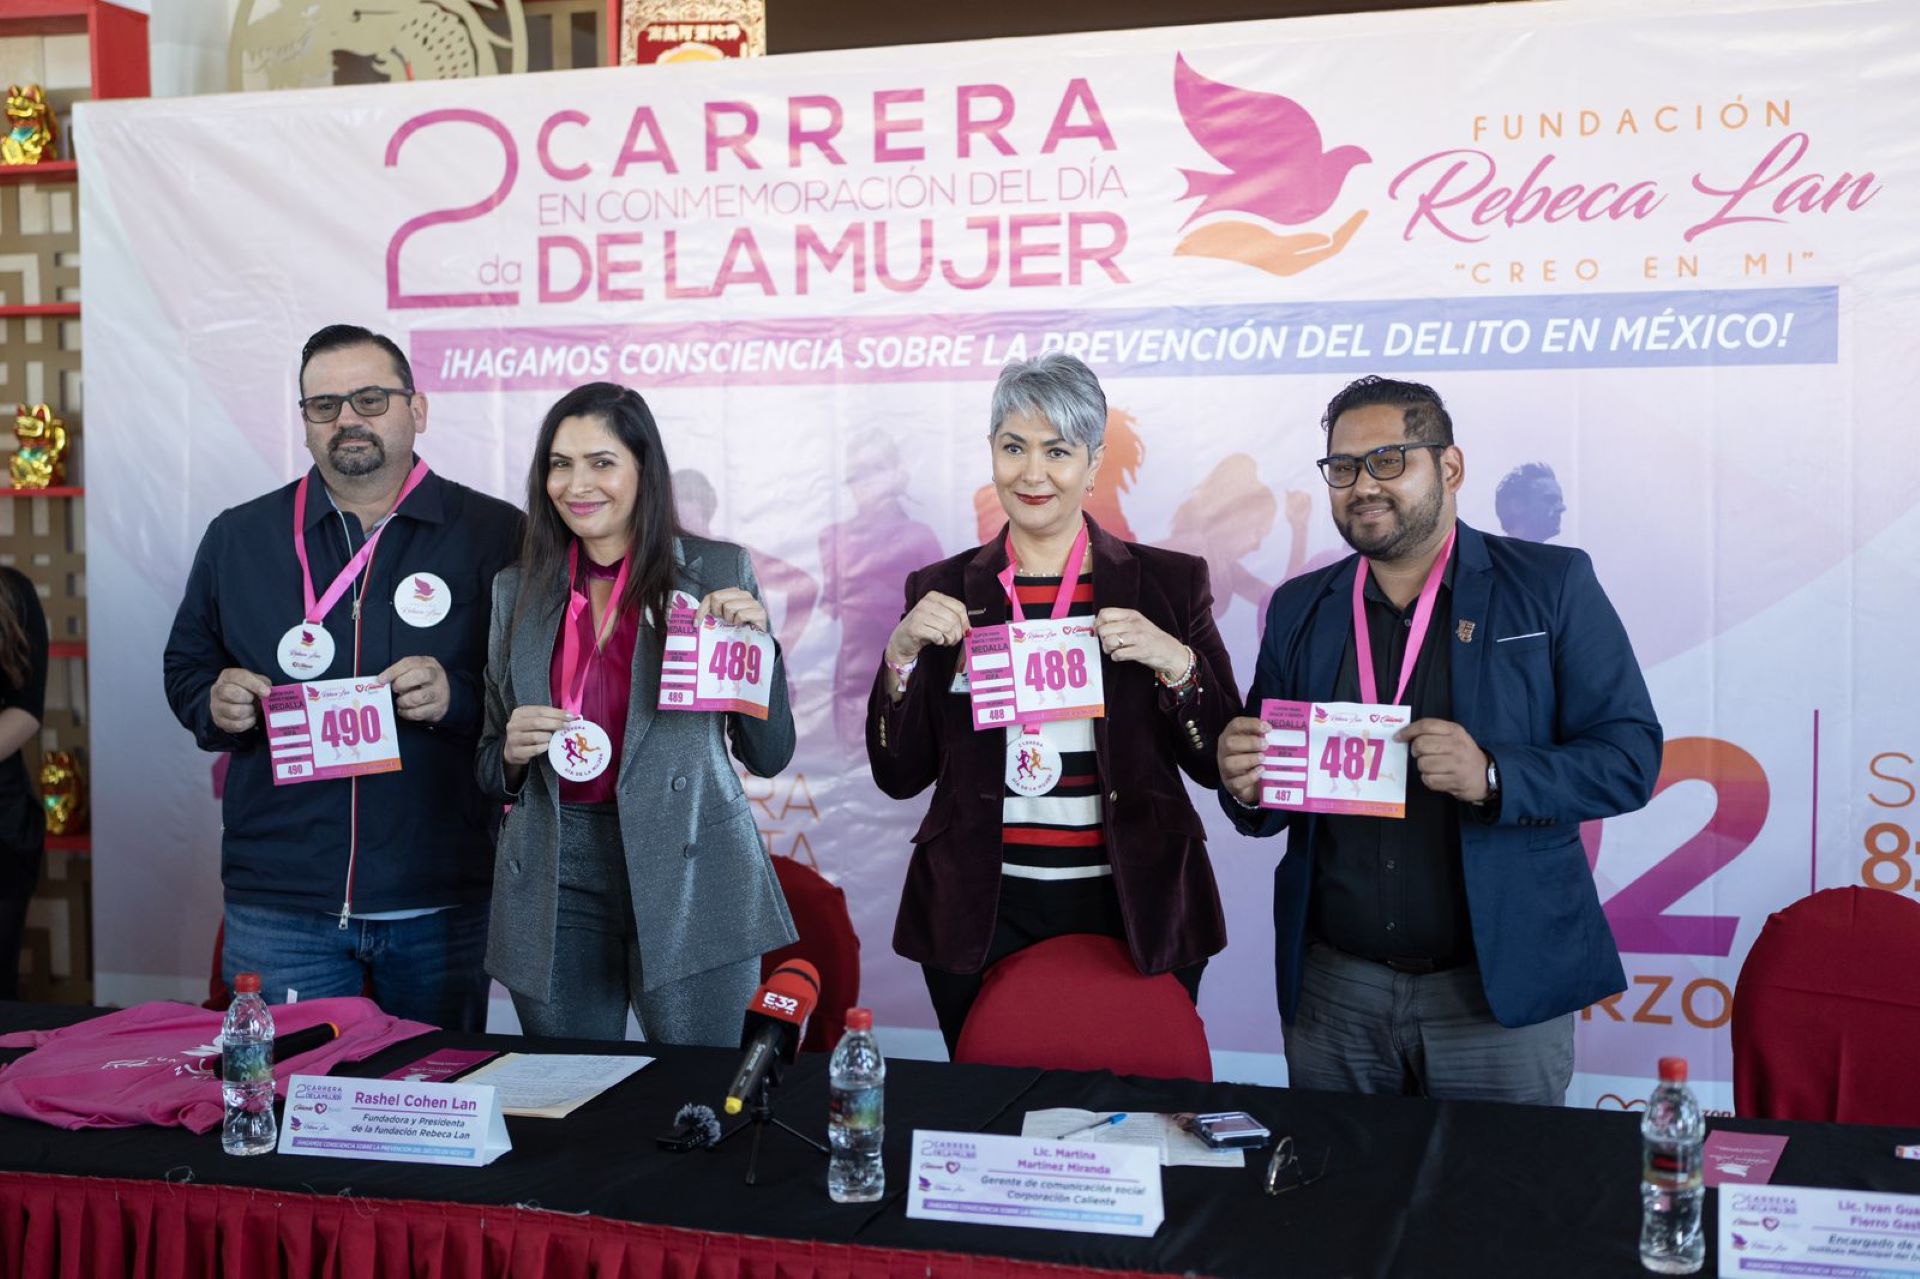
column 1660, row 260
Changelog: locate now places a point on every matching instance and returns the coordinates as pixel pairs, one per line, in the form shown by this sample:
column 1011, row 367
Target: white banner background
column 1710, row 343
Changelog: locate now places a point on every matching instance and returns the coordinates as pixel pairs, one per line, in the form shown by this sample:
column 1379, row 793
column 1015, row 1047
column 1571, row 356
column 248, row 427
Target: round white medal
column 1033, row 766
column 306, row 651
column 580, row 752
column 422, row 599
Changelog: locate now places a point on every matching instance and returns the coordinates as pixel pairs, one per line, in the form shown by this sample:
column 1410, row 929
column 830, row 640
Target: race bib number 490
column 1334, row 757
column 331, row 728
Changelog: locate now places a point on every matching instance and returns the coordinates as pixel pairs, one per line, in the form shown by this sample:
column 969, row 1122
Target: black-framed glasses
column 1387, row 462
column 368, row 401
column 1285, row 1171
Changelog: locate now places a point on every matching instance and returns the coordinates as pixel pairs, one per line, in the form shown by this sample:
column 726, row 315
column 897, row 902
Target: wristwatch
column 1493, row 781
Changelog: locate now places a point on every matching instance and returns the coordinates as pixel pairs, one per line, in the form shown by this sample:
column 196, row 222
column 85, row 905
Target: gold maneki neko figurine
column 32, row 135
column 42, row 459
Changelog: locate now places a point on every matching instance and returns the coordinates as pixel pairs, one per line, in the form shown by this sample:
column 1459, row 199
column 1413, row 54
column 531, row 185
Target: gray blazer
column 704, row 892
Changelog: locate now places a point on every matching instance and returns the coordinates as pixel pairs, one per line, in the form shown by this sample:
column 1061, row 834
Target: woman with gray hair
column 1093, row 832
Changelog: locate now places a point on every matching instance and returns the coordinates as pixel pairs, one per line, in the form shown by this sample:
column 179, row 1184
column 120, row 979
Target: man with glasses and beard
column 1444, row 953
column 369, row 566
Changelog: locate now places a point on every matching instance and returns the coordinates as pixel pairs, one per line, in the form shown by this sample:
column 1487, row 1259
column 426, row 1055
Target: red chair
column 1078, row 1003
column 1826, row 1014
column 827, row 941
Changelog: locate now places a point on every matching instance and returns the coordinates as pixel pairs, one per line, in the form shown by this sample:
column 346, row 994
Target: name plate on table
column 1032, row 671
column 406, row 1122
column 1842, row 1234
column 1334, row 757
column 330, row 728
column 715, row 667
column 1034, row 1183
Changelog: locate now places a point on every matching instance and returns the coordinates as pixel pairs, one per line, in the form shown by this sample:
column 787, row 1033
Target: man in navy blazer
column 1445, row 953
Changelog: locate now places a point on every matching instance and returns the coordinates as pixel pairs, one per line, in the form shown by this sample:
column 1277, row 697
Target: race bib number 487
column 1334, row 757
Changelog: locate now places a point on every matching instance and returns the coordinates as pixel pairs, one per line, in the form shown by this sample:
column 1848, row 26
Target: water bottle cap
column 1673, row 1070
column 247, row 984
column 859, row 1019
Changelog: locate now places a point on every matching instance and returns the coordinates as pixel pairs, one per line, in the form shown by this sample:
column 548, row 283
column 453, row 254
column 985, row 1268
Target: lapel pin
column 1465, row 632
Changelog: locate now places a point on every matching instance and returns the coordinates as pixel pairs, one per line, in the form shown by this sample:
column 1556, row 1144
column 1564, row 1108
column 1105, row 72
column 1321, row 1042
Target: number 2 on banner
column 1637, row 911
column 735, row 661
column 1051, row 670
column 1347, row 757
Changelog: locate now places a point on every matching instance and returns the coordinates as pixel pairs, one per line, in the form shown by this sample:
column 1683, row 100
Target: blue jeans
column 428, row 968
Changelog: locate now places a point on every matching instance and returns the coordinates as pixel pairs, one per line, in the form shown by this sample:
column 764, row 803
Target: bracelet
column 902, row 669
column 1187, row 676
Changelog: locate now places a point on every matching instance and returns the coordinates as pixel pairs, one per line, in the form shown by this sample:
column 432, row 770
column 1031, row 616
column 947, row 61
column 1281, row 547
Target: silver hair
column 1059, row 388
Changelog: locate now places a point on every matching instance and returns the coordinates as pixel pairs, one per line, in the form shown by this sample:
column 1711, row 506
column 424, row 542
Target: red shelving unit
column 117, row 68
column 52, row 171
column 41, row 309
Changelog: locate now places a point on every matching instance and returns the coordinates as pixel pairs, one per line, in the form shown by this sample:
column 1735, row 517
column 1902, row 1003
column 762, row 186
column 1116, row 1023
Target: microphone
column 774, row 1023
column 695, row 1127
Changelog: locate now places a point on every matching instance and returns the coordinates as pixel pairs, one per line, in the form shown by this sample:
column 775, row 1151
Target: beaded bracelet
column 1187, row 678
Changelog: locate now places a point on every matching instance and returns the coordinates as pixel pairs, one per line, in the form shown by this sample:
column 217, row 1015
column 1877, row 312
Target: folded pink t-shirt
column 159, row 1063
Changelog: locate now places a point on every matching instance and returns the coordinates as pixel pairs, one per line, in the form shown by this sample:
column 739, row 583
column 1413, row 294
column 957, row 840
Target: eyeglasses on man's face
column 1388, row 462
column 368, row 401
column 1285, row 1171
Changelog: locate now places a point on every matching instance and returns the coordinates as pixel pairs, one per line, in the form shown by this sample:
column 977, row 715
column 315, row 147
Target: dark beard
column 362, row 463
column 1416, row 526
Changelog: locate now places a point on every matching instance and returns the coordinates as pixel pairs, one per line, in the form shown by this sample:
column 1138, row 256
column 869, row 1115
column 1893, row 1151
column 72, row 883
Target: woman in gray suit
column 630, row 872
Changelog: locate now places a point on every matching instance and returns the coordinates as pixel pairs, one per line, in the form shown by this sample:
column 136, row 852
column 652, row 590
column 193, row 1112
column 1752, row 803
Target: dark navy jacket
column 425, row 832
column 1546, row 682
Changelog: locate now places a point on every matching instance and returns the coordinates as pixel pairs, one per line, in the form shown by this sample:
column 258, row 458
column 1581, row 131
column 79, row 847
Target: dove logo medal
column 306, row 650
column 422, row 599
column 582, row 750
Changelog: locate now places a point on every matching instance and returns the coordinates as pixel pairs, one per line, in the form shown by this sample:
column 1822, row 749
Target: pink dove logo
column 306, row 638
column 313, row 694
column 422, row 589
column 1319, row 715
column 1278, row 171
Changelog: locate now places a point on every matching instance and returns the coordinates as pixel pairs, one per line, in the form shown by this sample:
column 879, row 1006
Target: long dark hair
column 650, row 533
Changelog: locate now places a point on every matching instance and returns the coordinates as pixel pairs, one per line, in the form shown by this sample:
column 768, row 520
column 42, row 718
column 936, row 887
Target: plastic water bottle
column 856, row 1118
column 1671, row 1135
column 246, row 1071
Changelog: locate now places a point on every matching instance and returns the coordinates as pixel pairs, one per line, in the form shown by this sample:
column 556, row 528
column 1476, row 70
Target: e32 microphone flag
column 776, row 1018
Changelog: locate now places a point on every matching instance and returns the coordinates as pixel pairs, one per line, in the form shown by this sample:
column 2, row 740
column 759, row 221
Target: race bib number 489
column 1334, row 757
column 715, row 667
column 331, row 728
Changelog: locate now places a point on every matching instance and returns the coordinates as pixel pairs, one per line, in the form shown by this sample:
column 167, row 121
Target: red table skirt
column 94, row 1228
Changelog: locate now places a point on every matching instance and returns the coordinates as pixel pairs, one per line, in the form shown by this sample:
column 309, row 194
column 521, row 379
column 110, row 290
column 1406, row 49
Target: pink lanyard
column 1062, row 598
column 1422, row 614
column 573, row 670
column 317, row 609
column 1069, row 581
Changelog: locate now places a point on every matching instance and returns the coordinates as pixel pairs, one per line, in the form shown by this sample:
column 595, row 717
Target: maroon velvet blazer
column 1146, row 739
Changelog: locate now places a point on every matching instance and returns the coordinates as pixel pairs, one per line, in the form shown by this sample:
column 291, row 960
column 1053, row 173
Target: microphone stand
column 759, row 1116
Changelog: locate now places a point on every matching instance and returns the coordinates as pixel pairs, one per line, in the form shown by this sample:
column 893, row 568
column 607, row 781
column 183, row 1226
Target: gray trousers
column 596, row 956
column 1362, row 1027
